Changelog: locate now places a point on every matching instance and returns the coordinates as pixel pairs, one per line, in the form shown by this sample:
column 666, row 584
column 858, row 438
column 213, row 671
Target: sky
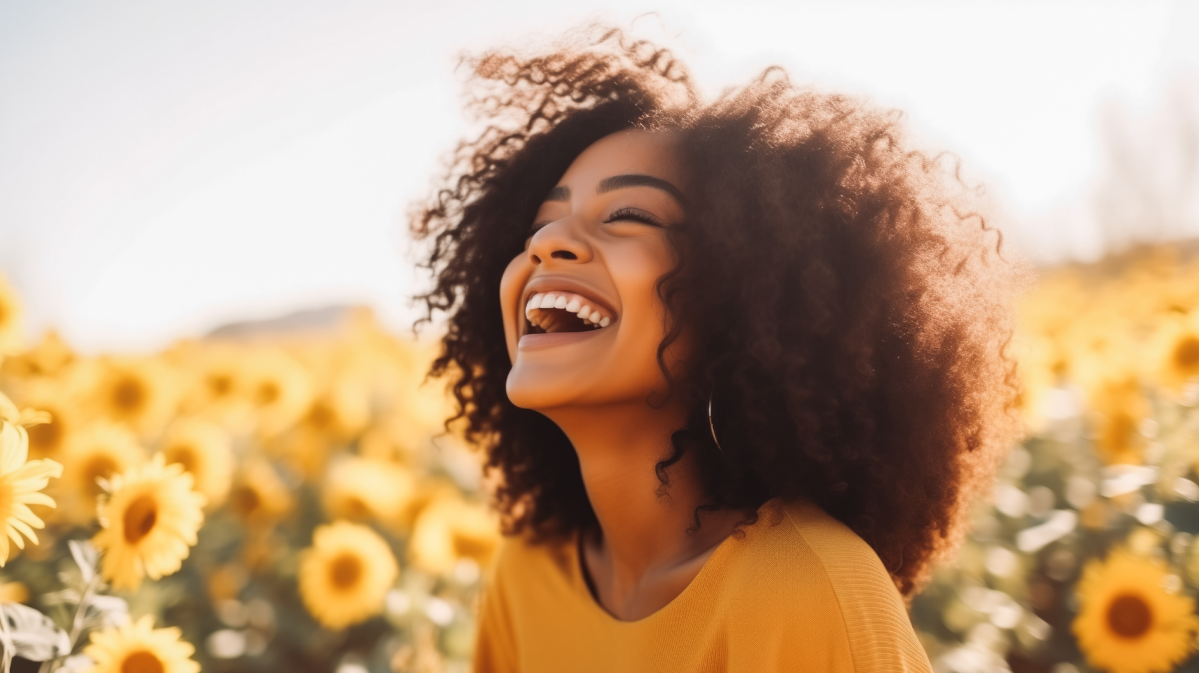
column 166, row 168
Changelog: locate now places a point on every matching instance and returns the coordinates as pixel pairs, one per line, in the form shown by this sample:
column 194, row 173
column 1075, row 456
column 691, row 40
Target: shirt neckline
column 717, row 559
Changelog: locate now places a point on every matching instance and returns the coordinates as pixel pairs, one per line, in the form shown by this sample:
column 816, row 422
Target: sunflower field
column 1084, row 559
column 286, row 498
column 265, row 501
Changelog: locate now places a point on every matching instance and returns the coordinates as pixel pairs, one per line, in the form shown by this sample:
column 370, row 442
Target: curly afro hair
column 851, row 312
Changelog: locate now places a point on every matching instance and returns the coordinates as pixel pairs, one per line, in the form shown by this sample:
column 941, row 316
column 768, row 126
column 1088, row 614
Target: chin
column 530, row 390
column 541, row 387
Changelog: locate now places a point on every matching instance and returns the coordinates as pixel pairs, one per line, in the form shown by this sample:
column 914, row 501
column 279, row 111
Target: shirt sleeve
column 881, row 636
column 879, row 633
column 495, row 649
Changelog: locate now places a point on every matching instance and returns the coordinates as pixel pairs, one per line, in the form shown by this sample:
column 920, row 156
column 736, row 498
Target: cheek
column 644, row 313
column 637, row 273
column 514, row 278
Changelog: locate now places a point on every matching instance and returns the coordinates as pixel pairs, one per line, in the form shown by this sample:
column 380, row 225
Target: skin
column 604, row 388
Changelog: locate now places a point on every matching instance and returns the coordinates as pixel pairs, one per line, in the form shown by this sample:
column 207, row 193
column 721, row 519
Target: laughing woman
column 739, row 364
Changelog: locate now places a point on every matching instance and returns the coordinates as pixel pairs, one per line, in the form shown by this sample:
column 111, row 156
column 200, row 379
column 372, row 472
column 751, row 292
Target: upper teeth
column 568, row 301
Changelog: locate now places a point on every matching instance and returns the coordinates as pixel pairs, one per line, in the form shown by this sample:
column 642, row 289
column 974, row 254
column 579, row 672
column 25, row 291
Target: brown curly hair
column 851, row 317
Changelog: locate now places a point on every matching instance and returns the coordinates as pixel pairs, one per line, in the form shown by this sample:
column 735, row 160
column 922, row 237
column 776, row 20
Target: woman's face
column 582, row 318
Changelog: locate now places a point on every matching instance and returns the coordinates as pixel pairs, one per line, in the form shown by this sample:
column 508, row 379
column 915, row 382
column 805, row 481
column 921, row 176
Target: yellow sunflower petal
column 150, row 522
column 346, row 574
column 137, row 646
column 1128, row 621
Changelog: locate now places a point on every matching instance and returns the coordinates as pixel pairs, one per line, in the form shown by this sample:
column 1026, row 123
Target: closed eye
column 635, row 215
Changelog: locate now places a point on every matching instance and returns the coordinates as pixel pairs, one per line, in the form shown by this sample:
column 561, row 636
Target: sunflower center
column 220, row 384
column 142, row 661
column 345, row 571
column 184, row 455
column 128, row 395
column 245, row 500
column 1118, row 432
column 1129, row 616
column 267, row 393
column 140, row 518
column 46, row 437
column 355, row 508
column 99, row 467
column 320, row 416
column 1186, row 354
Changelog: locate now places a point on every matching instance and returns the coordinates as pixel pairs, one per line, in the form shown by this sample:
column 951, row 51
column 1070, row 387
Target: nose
column 559, row 240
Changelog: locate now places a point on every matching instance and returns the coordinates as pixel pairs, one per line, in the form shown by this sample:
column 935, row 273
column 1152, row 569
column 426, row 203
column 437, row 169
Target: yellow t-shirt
column 806, row 594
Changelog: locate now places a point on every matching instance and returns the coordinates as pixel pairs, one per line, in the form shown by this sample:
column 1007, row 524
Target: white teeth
column 546, row 300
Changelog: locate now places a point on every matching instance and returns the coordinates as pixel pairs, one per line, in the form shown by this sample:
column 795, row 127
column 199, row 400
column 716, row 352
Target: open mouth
column 556, row 312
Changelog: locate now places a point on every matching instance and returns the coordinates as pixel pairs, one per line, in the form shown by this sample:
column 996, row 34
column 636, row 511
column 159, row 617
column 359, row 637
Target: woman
column 739, row 365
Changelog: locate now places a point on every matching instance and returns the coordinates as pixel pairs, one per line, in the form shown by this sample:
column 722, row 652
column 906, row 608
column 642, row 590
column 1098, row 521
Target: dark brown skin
column 597, row 390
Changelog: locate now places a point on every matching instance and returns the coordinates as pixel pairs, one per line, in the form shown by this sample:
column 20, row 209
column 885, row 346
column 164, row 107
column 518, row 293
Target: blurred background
column 167, row 169
column 204, row 263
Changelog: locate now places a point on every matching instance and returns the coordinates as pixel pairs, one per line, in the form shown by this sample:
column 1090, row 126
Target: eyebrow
column 562, row 193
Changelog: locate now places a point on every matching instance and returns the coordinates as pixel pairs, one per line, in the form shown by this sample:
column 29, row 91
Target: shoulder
column 814, row 561
column 518, row 553
column 525, row 568
column 798, row 537
column 525, row 582
column 849, row 562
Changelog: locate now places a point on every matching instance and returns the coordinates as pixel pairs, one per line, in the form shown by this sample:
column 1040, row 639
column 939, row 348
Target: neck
column 642, row 524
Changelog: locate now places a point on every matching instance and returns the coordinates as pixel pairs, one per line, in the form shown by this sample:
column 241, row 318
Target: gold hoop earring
column 711, row 425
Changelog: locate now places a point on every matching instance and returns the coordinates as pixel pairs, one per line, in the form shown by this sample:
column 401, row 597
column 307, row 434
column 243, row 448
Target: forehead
column 625, row 152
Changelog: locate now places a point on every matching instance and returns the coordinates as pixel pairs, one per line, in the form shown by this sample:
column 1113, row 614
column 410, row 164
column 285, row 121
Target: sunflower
column 1174, row 350
column 1119, row 407
column 279, row 390
column 50, row 357
column 342, row 412
column 217, row 385
column 1041, row 368
column 345, row 574
column 203, row 449
column 21, row 483
column 12, row 328
column 47, row 439
column 138, row 647
column 1128, row 620
column 95, row 452
column 258, row 494
column 393, row 440
column 301, row 451
column 150, row 518
column 362, row 488
column 14, row 592
column 138, row 392
column 449, row 529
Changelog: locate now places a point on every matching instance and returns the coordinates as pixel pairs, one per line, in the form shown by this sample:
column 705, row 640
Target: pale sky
column 169, row 167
